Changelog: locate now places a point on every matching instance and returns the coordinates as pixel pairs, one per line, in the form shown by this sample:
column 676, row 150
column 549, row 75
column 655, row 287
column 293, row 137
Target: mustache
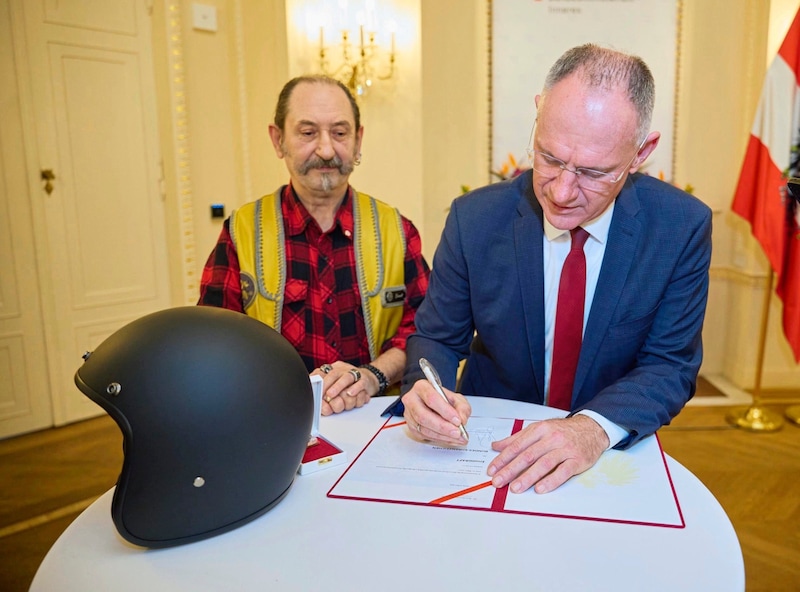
column 316, row 162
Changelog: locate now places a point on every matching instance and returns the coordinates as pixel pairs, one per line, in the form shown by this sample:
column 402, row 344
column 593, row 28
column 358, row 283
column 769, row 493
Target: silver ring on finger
column 326, row 368
column 419, row 427
column 355, row 374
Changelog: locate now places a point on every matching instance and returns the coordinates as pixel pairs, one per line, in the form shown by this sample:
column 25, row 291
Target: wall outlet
column 204, row 17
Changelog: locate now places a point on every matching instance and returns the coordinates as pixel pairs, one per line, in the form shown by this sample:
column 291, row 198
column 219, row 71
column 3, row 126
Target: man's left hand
column 341, row 390
column 547, row 453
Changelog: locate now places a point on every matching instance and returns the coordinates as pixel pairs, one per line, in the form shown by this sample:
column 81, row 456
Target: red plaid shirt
column 322, row 315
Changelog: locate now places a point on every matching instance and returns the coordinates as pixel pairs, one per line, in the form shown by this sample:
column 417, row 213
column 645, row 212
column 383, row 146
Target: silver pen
column 433, row 377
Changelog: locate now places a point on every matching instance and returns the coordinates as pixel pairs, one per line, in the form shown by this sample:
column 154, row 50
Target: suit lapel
column 528, row 236
column 623, row 238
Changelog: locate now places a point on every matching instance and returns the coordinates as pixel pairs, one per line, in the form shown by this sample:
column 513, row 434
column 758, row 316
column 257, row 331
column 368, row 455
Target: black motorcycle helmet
column 215, row 410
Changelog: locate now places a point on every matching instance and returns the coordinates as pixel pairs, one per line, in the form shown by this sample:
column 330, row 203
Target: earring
column 357, row 160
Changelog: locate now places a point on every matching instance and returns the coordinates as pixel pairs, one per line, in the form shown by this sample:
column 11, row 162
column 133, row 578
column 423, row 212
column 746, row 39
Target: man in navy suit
column 494, row 286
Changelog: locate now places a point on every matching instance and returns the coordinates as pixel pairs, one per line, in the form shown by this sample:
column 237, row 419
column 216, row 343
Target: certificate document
column 630, row 486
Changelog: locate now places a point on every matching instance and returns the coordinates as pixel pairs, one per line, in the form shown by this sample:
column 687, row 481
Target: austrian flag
column 773, row 155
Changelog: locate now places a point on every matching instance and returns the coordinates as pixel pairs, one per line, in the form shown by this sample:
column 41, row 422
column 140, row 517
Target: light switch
column 204, row 17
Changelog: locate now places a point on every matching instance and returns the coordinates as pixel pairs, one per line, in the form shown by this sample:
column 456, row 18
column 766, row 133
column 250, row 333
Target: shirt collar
column 297, row 216
column 597, row 228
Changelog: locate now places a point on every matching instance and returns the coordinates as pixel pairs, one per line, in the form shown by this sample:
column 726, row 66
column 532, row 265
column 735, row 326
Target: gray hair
column 608, row 69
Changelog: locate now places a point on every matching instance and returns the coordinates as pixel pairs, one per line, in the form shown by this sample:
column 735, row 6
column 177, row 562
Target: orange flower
column 509, row 169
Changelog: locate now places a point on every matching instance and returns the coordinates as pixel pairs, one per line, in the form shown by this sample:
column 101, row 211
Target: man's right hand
column 430, row 418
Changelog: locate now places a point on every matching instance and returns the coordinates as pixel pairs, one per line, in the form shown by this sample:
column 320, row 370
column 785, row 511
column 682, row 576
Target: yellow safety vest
column 258, row 235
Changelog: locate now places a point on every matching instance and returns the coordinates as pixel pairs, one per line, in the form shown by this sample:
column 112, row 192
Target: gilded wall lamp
column 356, row 57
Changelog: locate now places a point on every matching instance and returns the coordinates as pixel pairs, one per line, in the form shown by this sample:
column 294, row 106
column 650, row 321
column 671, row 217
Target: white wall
column 426, row 133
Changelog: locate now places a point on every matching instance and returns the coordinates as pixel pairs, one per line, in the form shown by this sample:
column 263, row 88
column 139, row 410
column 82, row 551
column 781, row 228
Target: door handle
column 48, row 176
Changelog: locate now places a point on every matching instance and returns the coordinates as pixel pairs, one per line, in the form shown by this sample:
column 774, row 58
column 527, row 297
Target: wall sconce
column 358, row 65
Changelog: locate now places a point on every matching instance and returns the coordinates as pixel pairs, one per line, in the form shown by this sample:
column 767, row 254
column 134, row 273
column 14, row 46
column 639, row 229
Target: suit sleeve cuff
column 615, row 433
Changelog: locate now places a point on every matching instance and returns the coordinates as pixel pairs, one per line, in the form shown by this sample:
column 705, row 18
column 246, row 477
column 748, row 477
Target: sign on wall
column 529, row 35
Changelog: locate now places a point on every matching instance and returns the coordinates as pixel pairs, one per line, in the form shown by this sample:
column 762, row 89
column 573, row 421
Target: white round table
column 310, row 542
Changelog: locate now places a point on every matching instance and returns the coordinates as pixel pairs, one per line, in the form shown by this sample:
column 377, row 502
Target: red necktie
column 569, row 323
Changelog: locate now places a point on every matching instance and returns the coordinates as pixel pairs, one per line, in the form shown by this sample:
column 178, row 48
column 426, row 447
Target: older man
column 616, row 338
column 337, row 272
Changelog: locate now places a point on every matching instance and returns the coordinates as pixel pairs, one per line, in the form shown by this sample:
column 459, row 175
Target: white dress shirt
column 557, row 245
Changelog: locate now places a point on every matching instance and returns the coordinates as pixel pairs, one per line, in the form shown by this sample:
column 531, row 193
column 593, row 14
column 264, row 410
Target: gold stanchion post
column 756, row 417
column 793, row 414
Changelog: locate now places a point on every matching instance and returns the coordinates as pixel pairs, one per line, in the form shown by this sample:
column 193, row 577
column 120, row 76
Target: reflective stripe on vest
column 379, row 241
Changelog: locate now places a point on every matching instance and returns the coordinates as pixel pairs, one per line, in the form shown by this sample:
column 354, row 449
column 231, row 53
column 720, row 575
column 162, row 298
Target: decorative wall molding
column 677, row 87
column 740, row 277
column 180, row 141
column 490, row 78
column 244, row 116
column 755, row 40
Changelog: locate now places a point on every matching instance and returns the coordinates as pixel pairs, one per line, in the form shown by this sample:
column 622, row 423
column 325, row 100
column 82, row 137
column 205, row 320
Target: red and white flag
column 773, row 154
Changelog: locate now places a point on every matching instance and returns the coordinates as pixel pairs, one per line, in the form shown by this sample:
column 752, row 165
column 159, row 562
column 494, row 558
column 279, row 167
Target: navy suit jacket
column 642, row 343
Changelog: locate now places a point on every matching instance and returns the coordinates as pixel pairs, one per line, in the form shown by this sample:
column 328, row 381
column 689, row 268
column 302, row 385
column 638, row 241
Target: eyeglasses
column 551, row 167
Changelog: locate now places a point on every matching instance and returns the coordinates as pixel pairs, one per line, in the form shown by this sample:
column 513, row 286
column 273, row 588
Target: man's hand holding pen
column 544, row 455
column 430, row 417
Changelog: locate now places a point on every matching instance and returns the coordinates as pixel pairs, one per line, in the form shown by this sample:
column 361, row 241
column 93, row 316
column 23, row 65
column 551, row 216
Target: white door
column 24, row 387
column 89, row 85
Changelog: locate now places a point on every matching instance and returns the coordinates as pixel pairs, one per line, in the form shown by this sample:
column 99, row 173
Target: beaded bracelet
column 383, row 382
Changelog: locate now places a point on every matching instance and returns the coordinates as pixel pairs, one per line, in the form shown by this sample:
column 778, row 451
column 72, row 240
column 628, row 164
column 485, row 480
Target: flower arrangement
column 688, row 188
column 508, row 170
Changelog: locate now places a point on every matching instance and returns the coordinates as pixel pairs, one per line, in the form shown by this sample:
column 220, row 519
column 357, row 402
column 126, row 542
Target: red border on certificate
column 500, row 501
